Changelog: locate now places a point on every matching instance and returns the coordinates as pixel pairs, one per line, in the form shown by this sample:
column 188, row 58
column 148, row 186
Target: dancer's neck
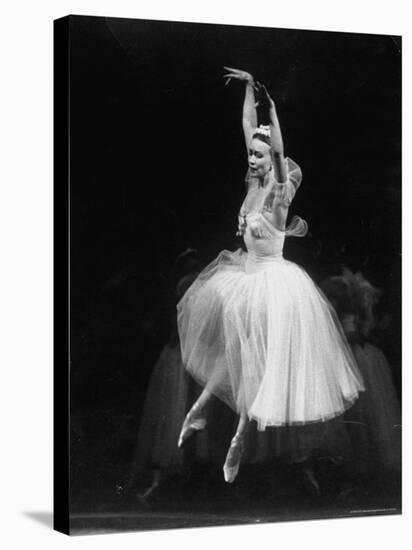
column 266, row 181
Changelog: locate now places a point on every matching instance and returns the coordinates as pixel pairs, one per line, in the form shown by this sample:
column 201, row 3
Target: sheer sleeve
column 284, row 192
column 297, row 227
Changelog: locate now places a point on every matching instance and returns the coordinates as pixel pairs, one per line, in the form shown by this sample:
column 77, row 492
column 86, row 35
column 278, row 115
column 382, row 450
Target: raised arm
column 276, row 140
column 249, row 116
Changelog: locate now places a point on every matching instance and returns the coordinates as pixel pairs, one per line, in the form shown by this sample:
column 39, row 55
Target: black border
column 61, row 356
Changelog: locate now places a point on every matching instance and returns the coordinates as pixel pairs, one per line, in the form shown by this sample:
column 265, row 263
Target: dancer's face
column 260, row 161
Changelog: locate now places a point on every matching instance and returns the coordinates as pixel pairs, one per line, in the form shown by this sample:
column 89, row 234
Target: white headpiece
column 263, row 130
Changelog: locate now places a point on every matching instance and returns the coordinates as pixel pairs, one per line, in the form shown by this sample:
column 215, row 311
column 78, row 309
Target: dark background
column 157, row 164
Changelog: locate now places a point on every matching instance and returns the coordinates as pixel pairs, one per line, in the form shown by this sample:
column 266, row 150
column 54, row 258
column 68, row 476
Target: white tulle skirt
column 259, row 335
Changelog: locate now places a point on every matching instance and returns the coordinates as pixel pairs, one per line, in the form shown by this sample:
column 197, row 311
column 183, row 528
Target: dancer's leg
column 194, row 420
column 203, row 399
column 234, row 455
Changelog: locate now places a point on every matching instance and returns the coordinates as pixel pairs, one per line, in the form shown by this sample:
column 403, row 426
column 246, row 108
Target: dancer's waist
column 257, row 262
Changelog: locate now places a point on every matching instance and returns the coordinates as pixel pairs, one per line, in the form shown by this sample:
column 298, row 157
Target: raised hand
column 238, row 74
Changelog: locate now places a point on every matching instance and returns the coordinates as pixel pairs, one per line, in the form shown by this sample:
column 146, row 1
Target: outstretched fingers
column 236, row 73
column 231, row 69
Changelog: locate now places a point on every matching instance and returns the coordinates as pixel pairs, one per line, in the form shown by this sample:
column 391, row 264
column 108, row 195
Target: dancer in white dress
column 254, row 329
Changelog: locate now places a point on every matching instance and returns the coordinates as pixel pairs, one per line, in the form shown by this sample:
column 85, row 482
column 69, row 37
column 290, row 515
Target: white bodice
column 261, row 238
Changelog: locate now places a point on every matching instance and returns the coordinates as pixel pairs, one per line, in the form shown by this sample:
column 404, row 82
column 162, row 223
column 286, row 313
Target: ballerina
column 254, row 329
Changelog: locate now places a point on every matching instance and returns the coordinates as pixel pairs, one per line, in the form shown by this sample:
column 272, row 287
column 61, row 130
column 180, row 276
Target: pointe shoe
column 192, row 424
column 233, row 458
